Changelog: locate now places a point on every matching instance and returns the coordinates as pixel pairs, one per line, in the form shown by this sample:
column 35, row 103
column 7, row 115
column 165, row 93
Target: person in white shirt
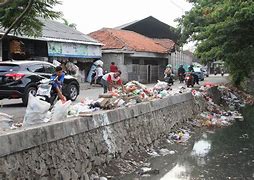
column 111, row 80
column 98, row 74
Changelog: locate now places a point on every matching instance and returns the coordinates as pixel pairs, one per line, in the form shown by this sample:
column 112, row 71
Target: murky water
column 226, row 153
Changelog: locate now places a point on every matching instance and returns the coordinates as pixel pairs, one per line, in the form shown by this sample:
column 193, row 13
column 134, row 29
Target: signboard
column 57, row 49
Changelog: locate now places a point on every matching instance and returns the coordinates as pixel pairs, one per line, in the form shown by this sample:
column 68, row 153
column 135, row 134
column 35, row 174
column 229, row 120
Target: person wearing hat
column 191, row 70
column 168, row 71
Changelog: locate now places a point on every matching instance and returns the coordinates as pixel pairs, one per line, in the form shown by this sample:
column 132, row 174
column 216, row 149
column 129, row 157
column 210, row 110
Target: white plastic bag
column 6, row 121
column 56, row 63
column 98, row 62
column 60, row 110
column 36, row 111
column 161, row 85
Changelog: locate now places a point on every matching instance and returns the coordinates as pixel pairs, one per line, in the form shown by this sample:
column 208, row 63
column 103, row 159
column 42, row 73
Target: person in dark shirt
column 181, row 73
column 58, row 78
column 191, row 69
column 113, row 67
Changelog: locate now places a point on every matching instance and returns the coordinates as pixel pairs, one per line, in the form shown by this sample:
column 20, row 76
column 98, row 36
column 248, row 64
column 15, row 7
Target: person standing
column 98, row 74
column 113, row 67
column 111, row 80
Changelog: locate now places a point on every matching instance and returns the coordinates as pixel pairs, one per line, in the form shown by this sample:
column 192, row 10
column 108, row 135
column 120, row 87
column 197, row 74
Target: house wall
column 145, row 69
column 136, row 67
column 118, row 59
column 177, row 58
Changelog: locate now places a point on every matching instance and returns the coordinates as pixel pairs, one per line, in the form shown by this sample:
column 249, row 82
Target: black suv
column 19, row 78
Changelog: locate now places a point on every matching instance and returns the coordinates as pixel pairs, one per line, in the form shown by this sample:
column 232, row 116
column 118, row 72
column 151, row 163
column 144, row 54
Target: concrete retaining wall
column 70, row 149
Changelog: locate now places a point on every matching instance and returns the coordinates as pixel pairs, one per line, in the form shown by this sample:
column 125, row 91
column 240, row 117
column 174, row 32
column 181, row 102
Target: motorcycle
column 169, row 80
column 46, row 93
column 189, row 80
column 181, row 77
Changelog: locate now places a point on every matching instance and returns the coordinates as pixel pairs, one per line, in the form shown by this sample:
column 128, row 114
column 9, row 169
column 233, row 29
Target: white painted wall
column 178, row 58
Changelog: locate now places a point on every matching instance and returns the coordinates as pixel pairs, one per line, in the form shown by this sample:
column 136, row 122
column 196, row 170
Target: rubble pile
column 216, row 115
column 248, row 99
column 134, row 93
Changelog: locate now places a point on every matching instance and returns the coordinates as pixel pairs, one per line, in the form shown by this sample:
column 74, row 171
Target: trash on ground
column 164, row 152
column 60, row 110
column 181, row 136
column 144, row 171
column 152, row 153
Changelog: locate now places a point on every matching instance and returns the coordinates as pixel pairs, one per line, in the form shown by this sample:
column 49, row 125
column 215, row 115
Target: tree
column 223, row 30
column 22, row 17
column 72, row 25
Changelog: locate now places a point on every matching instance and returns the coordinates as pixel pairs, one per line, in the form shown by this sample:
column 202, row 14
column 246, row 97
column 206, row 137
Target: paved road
column 15, row 108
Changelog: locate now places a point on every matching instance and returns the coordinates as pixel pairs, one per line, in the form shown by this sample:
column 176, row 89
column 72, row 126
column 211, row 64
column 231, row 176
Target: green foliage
column 223, row 30
column 72, row 25
column 30, row 25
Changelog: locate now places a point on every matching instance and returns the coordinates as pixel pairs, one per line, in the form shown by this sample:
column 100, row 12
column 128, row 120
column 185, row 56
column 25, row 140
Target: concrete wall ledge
column 24, row 138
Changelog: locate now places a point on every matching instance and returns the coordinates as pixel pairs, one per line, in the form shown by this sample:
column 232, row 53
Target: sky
column 92, row 15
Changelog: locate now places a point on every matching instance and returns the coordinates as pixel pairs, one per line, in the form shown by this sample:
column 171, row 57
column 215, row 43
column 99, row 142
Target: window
column 49, row 69
column 8, row 67
column 37, row 68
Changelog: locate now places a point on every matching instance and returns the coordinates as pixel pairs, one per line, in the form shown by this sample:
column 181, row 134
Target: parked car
column 199, row 73
column 19, row 78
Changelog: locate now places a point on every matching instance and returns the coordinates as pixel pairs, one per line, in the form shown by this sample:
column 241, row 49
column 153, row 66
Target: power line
column 177, row 5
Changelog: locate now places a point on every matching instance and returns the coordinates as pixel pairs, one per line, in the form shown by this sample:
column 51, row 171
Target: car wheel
column 29, row 90
column 72, row 90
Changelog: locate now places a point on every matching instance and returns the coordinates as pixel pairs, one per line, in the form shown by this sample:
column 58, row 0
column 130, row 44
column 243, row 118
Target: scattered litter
column 164, row 152
column 172, row 152
column 244, row 136
column 144, row 171
column 153, row 153
column 181, row 136
column 103, row 178
column 60, row 110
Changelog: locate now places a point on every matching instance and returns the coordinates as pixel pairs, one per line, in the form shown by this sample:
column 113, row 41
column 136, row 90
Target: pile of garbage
column 219, row 116
column 134, row 93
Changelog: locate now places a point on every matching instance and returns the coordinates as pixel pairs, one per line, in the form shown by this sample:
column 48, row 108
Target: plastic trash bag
column 98, row 62
column 161, row 85
column 56, row 63
column 6, row 121
column 36, row 111
column 60, row 110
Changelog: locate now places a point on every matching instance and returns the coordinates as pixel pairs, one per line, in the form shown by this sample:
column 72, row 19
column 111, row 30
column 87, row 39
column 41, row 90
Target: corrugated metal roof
column 56, row 31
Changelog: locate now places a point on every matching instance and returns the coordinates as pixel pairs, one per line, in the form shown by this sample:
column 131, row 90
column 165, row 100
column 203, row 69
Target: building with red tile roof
column 128, row 41
column 139, row 57
column 166, row 43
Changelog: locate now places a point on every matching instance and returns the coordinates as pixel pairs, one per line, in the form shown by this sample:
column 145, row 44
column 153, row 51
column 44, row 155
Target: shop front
column 81, row 55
